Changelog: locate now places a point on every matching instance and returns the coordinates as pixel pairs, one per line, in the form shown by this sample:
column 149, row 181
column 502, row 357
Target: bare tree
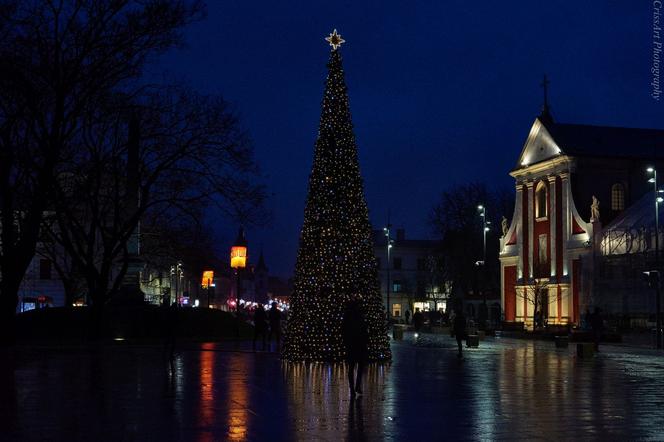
column 455, row 218
column 61, row 60
column 535, row 293
column 190, row 153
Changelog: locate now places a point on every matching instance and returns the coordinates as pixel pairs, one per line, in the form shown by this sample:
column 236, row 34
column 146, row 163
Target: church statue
column 504, row 226
column 594, row 210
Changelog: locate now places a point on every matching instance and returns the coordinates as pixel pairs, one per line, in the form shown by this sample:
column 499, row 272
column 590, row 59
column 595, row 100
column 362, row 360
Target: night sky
column 441, row 92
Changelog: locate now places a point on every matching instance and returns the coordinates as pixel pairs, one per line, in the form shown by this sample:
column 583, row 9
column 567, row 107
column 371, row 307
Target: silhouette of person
column 418, row 319
column 356, row 340
column 260, row 325
column 459, row 328
column 275, row 324
column 407, row 316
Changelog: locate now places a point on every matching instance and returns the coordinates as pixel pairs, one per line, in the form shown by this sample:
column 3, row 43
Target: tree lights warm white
column 335, row 260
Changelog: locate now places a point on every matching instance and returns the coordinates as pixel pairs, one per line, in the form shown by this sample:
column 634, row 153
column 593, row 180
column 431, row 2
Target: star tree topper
column 335, row 40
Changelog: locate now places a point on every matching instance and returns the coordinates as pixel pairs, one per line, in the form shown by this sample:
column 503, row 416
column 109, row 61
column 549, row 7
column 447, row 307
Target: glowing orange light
column 238, row 257
column 208, row 278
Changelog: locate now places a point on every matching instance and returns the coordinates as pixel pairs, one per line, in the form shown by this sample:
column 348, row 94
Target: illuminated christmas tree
column 335, row 260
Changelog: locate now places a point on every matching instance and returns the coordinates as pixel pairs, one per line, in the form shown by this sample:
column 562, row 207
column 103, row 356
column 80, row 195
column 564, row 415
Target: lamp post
column 176, row 274
column 388, row 247
column 239, row 261
column 485, row 228
column 658, row 199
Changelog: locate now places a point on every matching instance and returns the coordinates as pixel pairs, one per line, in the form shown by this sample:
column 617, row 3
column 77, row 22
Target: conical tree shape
column 335, row 260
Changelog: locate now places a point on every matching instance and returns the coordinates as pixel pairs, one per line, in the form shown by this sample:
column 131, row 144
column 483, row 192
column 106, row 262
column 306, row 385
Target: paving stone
column 507, row 389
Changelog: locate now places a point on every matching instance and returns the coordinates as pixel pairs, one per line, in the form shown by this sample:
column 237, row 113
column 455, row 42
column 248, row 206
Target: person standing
column 407, row 316
column 260, row 325
column 356, row 340
column 459, row 328
column 418, row 320
column 275, row 324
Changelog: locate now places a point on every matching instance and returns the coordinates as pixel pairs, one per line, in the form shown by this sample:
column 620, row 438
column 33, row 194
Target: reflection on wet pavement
column 506, row 389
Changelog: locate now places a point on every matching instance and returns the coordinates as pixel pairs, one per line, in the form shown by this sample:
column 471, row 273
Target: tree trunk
column 8, row 302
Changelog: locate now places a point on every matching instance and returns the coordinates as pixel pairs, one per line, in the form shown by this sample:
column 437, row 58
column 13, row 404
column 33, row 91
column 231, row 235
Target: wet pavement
column 505, row 390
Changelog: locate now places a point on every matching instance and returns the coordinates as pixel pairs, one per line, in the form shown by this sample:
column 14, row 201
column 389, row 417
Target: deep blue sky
column 441, row 92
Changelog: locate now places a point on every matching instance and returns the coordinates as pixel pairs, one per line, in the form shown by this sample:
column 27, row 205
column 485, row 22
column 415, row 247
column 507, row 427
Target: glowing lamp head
column 208, row 278
column 650, row 170
column 239, row 251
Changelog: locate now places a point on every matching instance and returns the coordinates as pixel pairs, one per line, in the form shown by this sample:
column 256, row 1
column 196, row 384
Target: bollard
column 561, row 341
column 585, row 349
column 473, row 341
column 397, row 332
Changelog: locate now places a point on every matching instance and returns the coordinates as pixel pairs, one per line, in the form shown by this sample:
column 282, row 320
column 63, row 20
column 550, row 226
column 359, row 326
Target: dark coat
column 275, row 318
column 459, row 326
column 355, row 333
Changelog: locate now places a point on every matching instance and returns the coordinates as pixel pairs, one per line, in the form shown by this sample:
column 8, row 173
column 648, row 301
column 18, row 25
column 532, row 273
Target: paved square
column 506, row 389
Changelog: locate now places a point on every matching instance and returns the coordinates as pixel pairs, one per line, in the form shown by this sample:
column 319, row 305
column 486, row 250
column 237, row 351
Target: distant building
column 415, row 282
column 571, row 180
column 41, row 286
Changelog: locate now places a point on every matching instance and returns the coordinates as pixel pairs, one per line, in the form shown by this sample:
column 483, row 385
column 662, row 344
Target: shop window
column 396, row 310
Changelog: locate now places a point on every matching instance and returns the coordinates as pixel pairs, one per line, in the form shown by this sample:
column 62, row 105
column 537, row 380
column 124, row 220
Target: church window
column 617, row 197
column 540, row 200
column 542, row 243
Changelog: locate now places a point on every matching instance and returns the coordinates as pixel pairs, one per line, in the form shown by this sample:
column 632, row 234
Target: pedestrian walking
column 274, row 318
column 407, row 316
column 418, row 319
column 260, row 325
column 459, row 327
column 356, row 341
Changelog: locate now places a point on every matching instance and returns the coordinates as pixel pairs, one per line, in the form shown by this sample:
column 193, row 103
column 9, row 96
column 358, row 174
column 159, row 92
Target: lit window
column 396, row 310
column 396, row 286
column 617, row 197
column 540, row 200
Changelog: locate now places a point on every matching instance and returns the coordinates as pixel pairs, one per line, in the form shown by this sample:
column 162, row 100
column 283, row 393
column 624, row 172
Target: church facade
column 570, row 180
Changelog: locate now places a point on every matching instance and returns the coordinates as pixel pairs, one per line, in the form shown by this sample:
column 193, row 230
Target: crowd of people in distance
column 267, row 325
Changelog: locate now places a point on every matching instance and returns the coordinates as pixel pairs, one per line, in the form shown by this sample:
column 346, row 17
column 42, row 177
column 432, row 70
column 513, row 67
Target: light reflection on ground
column 506, row 389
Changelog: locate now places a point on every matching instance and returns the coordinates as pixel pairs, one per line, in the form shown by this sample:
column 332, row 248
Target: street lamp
column 485, row 228
column 176, row 275
column 388, row 247
column 239, row 261
column 658, row 199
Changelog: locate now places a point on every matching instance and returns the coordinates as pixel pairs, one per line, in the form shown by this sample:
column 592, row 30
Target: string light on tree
column 335, row 259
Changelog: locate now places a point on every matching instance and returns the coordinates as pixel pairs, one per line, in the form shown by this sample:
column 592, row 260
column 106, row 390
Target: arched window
column 617, row 197
column 540, row 200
